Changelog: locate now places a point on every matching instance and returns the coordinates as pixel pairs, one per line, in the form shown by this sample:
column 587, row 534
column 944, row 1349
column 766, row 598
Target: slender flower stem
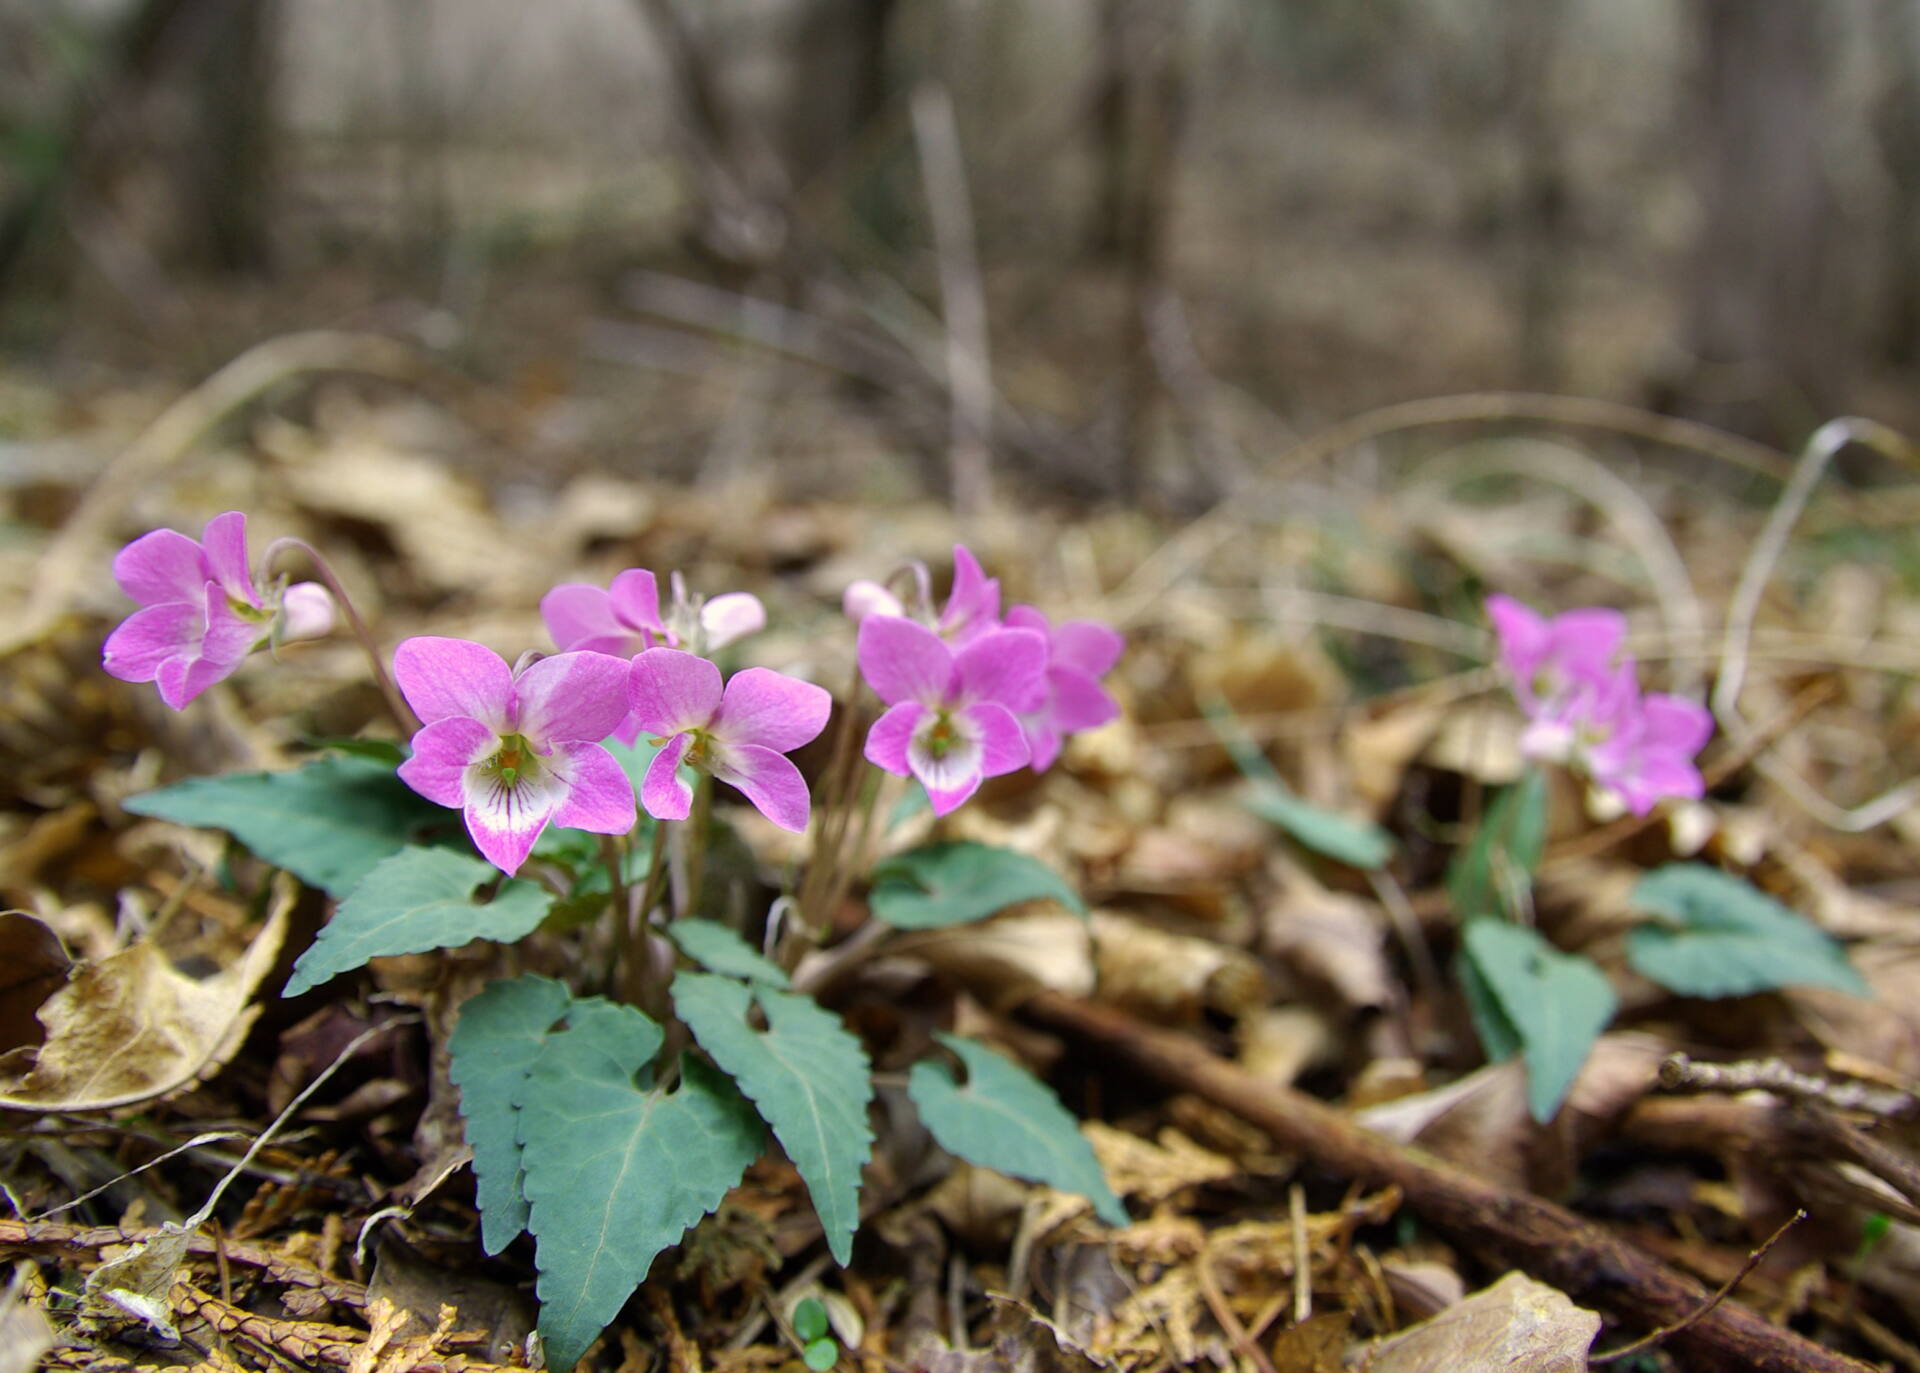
column 847, row 860
column 636, row 958
column 699, row 825
column 403, row 714
column 824, row 859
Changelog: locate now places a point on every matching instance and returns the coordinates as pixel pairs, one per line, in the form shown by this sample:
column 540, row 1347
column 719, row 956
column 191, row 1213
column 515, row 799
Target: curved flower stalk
column 972, row 609
column 951, row 716
column 1584, row 706
column 515, row 752
column 1079, row 654
column 202, row 613
column 624, row 620
column 740, row 734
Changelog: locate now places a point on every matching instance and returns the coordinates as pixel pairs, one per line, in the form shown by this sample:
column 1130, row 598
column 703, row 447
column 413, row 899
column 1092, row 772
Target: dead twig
column 1589, row 1263
column 1725, row 1290
column 1678, row 1072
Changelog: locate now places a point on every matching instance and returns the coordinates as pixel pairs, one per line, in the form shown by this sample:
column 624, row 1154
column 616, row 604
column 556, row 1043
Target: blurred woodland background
column 1131, row 247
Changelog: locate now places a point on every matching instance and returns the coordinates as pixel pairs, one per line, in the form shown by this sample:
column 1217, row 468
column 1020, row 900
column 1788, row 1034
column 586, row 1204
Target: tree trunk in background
column 1896, row 126
column 1540, row 212
column 228, row 175
column 1139, row 111
column 215, row 161
column 1759, row 326
column 838, row 82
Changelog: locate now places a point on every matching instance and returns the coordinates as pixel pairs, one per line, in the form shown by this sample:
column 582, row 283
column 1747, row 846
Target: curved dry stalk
column 1625, row 508
column 1826, row 442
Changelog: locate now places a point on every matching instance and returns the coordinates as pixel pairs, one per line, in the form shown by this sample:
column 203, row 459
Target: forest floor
column 1270, row 1048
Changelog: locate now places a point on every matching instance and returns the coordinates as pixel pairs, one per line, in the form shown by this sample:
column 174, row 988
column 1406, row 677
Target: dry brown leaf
column 1515, row 1326
column 24, row 1332
column 1172, row 977
column 1334, row 939
column 1278, row 1043
column 1378, row 751
column 1316, row 1345
column 1153, row 1170
column 1047, row 945
column 133, row 1026
column 33, row 964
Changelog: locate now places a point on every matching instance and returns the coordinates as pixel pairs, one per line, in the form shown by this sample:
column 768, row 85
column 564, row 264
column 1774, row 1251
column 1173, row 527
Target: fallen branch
column 1585, row 1261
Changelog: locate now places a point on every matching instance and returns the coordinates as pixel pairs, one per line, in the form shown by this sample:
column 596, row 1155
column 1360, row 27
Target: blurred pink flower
column 625, row 620
column 1584, row 706
column 741, row 734
column 201, row 611
column 515, row 752
column 951, row 716
column 1079, row 653
column 972, row 609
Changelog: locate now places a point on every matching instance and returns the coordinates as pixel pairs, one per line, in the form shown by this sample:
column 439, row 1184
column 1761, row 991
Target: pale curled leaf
column 24, row 1332
column 1517, row 1325
column 1557, row 1003
column 1728, row 938
column 1006, row 1119
column 808, row 1077
column 494, row 1044
column 133, row 1026
column 419, row 899
column 953, row 883
column 327, row 823
column 718, row 949
column 615, row 1173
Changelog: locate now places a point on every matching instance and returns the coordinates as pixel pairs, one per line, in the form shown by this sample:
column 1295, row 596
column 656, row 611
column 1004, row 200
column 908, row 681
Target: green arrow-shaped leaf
column 1729, row 938
column 1491, row 875
column 498, row 1036
column 809, row 1078
column 718, row 949
column 949, row 884
column 327, row 823
column 1006, row 1119
column 614, row 1172
column 1558, row 1003
column 417, row 900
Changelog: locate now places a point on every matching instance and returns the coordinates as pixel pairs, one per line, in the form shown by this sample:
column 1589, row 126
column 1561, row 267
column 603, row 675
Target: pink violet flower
column 515, row 752
column 972, row 609
column 1079, row 653
column 740, row 734
column 624, row 620
column 951, row 716
column 202, row 613
column 1584, row 705
column 1650, row 753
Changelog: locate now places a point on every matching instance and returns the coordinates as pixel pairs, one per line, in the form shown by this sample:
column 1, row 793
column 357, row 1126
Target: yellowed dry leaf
column 1153, row 1170
column 1335, row 939
column 24, row 1333
column 1169, row 976
column 133, row 1026
column 1515, row 1326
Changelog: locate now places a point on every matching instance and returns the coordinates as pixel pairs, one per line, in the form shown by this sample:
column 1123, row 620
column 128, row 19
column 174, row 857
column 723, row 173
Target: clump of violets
column 968, row 695
column 1079, row 654
column 516, row 752
column 1584, row 706
column 625, row 620
column 951, row 718
column 202, row 610
column 972, row 609
column 740, row 734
